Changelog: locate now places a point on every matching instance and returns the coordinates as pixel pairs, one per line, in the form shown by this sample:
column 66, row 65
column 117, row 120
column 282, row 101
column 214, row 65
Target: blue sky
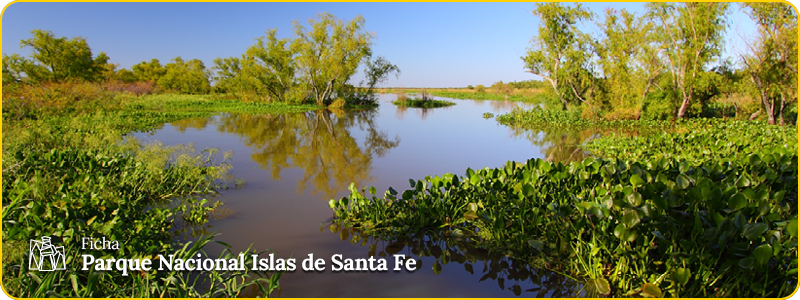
column 434, row 44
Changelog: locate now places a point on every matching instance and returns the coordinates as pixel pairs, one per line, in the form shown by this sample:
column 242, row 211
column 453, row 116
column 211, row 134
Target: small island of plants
column 426, row 101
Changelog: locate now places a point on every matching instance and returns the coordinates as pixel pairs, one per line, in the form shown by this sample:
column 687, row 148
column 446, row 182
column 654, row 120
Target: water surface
column 294, row 163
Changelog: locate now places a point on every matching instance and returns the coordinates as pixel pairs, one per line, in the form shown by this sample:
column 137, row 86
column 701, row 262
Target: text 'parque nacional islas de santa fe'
column 238, row 263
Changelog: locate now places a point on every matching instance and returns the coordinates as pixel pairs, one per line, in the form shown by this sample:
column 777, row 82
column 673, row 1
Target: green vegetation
column 425, row 102
column 314, row 66
column 208, row 103
column 499, row 91
column 665, row 63
column 538, row 118
column 53, row 59
column 69, row 171
column 691, row 213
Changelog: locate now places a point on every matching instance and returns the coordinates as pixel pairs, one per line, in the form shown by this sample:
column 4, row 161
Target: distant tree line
column 313, row 67
column 665, row 63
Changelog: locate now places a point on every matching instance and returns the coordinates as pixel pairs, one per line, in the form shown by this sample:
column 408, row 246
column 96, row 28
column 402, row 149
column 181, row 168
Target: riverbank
column 71, row 170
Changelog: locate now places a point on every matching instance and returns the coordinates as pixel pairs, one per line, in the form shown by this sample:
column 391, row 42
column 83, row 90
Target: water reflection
column 322, row 143
column 513, row 276
column 558, row 144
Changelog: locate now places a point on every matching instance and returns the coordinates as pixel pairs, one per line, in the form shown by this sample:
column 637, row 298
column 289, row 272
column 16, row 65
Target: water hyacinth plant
column 672, row 221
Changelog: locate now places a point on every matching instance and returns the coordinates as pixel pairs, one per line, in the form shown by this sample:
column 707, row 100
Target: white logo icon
column 43, row 256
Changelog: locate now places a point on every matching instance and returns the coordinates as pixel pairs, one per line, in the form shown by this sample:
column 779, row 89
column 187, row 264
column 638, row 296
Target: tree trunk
column 754, row 115
column 684, row 107
column 780, row 110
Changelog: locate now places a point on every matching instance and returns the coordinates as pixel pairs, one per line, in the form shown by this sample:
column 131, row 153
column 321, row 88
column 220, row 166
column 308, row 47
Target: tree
column 54, row 59
column 329, row 53
column 315, row 65
column 691, row 37
column 151, row 71
column 771, row 62
column 186, row 77
column 125, row 75
column 377, row 71
column 559, row 53
column 627, row 57
column 13, row 68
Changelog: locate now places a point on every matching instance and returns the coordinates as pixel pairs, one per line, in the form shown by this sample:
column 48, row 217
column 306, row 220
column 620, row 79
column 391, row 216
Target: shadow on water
column 322, row 144
column 443, row 252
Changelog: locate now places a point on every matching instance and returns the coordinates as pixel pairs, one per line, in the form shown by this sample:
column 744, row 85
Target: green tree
column 771, row 62
column 13, row 68
column 559, row 52
column 329, row 53
column 315, row 65
column 376, row 71
column 54, row 59
column 149, row 71
column 690, row 34
column 190, row 77
column 266, row 72
column 628, row 60
column 125, row 75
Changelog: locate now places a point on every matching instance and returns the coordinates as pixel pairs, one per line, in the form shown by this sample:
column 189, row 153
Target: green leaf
column 682, row 275
column 634, row 198
column 743, row 181
column 747, row 262
column 651, row 290
column 472, row 207
column 763, row 253
column 792, row 227
column 599, row 286
column 470, row 215
column 620, row 230
column 372, row 190
column 630, row 218
column 754, row 159
column 682, row 181
column 753, row 231
column 737, row 201
column 636, row 180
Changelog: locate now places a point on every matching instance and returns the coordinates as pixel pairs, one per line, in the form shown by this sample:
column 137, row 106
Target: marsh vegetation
column 605, row 179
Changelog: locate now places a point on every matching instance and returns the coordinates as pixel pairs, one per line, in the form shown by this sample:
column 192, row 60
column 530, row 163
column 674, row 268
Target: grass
column 207, row 103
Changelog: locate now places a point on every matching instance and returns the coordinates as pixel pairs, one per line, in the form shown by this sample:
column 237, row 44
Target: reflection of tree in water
column 318, row 142
column 559, row 144
column 423, row 113
column 400, row 113
column 196, row 123
column 503, row 105
column 449, row 252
